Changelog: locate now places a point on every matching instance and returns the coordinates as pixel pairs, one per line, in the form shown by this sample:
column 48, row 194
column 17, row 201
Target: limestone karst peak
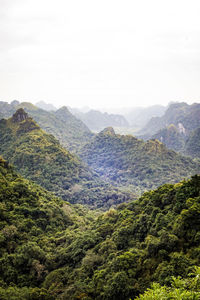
column 19, row 116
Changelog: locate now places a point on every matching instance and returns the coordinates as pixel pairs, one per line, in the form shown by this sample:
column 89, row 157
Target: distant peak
column 19, row 116
column 15, row 103
column 108, row 130
column 63, row 111
column 46, row 106
column 63, row 108
column 28, row 105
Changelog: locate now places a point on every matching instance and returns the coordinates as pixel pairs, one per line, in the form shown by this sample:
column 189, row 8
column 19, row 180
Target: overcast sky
column 100, row 53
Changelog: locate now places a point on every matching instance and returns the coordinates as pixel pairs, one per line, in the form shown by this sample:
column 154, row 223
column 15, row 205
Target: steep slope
column 46, row 106
column 172, row 137
column 179, row 114
column 77, row 132
column 192, row 145
column 96, row 120
column 128, row 161
column 31, row 222
column 53, row 250
column 69, row 130
column 6, row 109
column 39, row 157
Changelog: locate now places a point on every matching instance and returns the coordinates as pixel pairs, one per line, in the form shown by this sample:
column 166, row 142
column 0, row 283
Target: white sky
column 100, row 53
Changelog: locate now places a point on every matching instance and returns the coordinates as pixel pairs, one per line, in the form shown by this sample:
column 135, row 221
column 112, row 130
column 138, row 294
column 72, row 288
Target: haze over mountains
column 59, row 172
column 125, row 160
column 40, row 157
column 177, row 128
column 73, row 127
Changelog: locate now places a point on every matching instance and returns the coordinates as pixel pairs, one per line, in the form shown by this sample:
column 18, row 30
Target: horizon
column 109, row 110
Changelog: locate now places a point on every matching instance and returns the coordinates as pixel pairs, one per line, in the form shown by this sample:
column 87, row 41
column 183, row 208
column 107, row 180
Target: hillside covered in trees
column 178, row 128
column 70, row 131
column 188, row 116
column 40, row 157
column 127, row 161
column 53, row 250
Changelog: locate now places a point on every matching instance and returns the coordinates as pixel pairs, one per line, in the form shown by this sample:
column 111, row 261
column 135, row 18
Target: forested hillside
column 40, row 157
column 53, row 250
column 174, row 139
column 127, row 161
column 192, row 145
column 185, row 117
column 70, row 131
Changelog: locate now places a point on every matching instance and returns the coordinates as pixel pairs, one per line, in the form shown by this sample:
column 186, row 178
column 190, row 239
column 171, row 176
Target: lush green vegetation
column 178, row 129
column 171, row 137
column 70, row 131
column 183, row 289
column 128, row 161
column 40, row 157
column 187, row 144
column 177, row 113
column 33, row 223
column 53, row 250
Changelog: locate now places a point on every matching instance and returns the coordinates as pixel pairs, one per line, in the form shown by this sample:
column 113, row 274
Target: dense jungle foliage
column 40, row 157
column 128, row 161
column 51, row 249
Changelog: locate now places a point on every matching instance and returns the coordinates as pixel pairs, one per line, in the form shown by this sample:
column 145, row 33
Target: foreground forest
column 51, row 249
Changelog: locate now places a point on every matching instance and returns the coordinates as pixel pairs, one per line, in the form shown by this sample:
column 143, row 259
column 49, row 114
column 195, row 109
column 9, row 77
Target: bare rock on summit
column 19, row 116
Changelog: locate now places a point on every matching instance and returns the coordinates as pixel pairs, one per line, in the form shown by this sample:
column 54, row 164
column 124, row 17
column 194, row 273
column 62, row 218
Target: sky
column 100, row 54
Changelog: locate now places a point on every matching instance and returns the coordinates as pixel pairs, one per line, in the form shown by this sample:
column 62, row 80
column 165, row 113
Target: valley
column 87, row 215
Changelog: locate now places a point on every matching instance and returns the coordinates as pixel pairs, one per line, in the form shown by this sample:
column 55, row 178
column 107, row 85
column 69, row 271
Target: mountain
column 46, row 106
column 40, row 157
column 6, row 109
column 183, row 116
column 182, row 133
column 172, row 137
column 128, row 161
column 53, row 250
column 96, row 120
column 138, row 117
column 69, row 130
column 192, row 144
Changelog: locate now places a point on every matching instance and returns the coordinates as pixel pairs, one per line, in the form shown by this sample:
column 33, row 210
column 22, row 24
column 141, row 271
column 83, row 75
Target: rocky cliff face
column 19, row 116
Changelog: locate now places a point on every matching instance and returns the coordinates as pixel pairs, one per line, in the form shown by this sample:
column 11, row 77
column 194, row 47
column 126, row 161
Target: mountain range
column 97, row 121
column 124, row 160
column 40, row 157
column 97, row 216
column 70, row 131
column 178, row 128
